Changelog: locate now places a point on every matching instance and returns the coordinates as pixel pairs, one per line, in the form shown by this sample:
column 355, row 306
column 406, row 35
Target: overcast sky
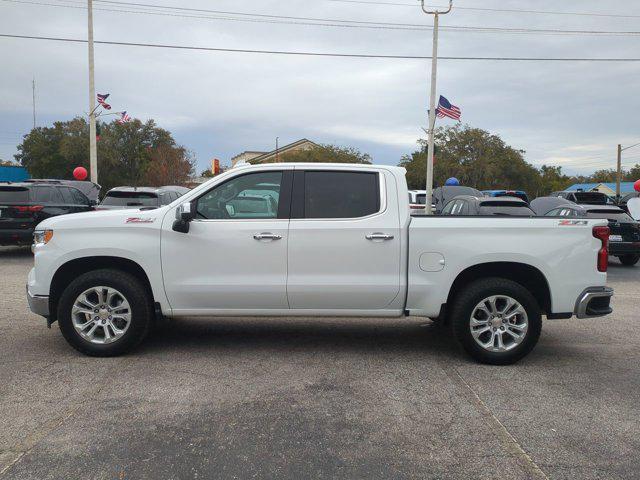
column 220, row 104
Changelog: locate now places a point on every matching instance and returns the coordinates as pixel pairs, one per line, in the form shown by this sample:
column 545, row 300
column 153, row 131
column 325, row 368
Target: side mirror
column 184, row 214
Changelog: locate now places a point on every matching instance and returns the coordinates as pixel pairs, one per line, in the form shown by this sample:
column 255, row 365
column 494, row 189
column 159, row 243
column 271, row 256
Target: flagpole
column 93, row 153
column 432, row 105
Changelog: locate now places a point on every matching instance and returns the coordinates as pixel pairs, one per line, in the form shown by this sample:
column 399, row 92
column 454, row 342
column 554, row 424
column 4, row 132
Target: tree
column 476, row 158
column 128, row 153
column 326, row 154
column 169, row 166
column 207, row 173
column 552, row 180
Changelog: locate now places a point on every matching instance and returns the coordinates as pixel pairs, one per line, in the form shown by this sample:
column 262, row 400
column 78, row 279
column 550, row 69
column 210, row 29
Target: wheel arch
column 78, row 266
column 526, row 275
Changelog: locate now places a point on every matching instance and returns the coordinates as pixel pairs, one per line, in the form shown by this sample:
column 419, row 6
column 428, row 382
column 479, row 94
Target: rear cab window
column 131, row 199
column 505, row 208
column 610, row 215
column 338, row 194
column 13, row 194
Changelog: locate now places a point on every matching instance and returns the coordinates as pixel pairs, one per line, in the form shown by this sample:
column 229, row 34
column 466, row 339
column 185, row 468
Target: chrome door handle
column 379, row 236
column 267, row 236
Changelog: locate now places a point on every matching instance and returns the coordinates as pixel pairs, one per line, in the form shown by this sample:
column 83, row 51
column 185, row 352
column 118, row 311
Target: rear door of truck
column 344, row 240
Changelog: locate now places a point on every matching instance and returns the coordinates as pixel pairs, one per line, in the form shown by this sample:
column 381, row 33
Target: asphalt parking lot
column 308, row 398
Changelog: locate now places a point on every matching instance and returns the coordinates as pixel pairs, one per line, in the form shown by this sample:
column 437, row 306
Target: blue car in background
column 507, row 193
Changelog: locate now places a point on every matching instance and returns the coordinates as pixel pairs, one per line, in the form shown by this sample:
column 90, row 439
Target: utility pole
column 277, row 156
column 432, row 103
column 33, row 86
column 93, row 153
column 619, row 175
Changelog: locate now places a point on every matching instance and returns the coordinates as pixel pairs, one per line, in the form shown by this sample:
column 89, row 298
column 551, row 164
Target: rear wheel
column 105, row 313
column 497, row 321
column 629, row 260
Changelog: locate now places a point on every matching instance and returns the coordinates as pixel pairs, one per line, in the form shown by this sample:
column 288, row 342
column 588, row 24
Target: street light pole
column 432, row 103
column 93, row 153
column 619, row 172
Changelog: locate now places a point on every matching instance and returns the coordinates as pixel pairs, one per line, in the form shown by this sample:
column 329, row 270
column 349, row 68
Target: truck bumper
column 594, row 302
column 624, row 248
column 38, row 304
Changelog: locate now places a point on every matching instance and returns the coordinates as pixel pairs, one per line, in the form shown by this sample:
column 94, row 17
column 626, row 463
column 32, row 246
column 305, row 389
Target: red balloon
column 79, row 173
column 636, row 186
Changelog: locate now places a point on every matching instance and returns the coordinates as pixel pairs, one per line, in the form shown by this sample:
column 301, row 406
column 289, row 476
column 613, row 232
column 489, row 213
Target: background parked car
column 585, row 198
column 624, row 239
column 521, row 194
column 139, row 197
column 90, row 189
column 23, row 205
column 442, row 195
column 473, row 205
column 542, row 205
column 622, row 203
column 417, row 199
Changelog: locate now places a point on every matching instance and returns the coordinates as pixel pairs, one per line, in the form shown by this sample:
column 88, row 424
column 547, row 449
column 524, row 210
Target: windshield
column 14, row 194
column 421, row 198
column 131, row 199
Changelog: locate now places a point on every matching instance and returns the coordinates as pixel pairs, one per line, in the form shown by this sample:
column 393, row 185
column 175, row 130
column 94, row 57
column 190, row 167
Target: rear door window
column 340, row 194
column 79, row 198
column 67, row 197
column 46, row 194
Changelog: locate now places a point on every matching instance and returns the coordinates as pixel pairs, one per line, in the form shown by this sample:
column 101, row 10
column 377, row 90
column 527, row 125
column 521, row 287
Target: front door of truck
column 344, row 241
column 234, row 256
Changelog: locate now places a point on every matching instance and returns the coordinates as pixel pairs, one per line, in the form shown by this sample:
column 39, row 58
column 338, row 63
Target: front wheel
column 105, row 313
column 497, row 321
column 629, row 260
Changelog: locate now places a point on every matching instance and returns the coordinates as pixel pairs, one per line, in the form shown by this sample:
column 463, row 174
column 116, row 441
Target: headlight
column 42, row 237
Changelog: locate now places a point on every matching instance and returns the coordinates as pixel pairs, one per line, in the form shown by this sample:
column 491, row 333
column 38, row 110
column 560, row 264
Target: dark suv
column 23, row 205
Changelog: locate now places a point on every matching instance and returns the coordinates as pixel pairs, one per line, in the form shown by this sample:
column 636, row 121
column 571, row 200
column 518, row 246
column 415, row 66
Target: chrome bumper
column 38, row 304
column 594, row 302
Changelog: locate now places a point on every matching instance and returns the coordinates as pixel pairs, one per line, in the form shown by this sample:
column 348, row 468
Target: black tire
column 471, row 295
column 136, row 294
column 629, row 260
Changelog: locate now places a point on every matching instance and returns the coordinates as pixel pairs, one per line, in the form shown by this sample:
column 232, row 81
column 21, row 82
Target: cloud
column 218, row 104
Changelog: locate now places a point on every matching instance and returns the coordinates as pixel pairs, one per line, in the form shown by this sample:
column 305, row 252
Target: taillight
column 29, row 208
column 602, row 233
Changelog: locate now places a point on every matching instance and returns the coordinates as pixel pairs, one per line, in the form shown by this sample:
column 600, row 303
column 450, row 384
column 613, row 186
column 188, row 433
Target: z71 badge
column 140, row 220
column 572, row 222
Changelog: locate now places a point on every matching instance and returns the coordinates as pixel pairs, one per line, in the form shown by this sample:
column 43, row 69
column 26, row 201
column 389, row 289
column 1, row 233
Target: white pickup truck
column 314, row 240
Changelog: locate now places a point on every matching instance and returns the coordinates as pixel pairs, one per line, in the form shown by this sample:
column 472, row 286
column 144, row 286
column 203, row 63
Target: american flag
column 102, row 100
column 445, row 109
column 124, row 118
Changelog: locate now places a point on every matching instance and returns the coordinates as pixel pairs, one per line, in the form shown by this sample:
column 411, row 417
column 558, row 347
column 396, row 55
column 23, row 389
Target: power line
column 485, row 9
column 324, row 54
column 321, row 22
